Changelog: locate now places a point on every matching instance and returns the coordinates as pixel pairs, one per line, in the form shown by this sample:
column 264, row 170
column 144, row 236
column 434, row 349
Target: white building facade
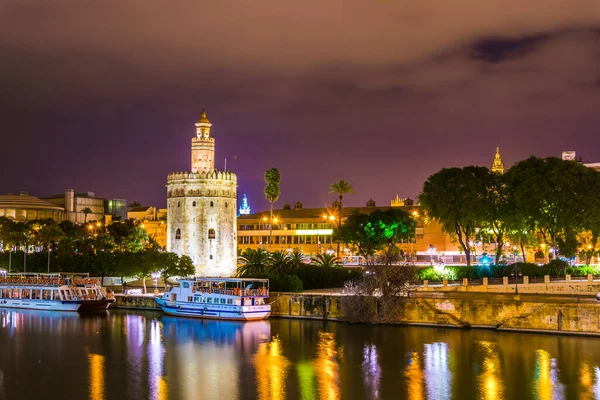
column 201, row 204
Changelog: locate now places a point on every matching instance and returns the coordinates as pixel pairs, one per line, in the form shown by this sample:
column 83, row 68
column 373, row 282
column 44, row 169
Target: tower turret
column 498, row 165
column 203, row 146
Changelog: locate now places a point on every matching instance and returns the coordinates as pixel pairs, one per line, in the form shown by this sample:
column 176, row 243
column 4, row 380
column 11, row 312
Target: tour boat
column 240, row 299
column 89, row 289
column 50, row 292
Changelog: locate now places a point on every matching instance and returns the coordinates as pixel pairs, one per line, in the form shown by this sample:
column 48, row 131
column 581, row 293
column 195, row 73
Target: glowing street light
column 330, row 251
column 155, row 276
column 431, row 250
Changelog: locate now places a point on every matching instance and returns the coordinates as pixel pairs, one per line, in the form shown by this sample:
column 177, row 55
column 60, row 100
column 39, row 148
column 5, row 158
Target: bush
column 584, row 270
column 453, row 273
column 286, row 283
column 527, row 269
column 556, row 268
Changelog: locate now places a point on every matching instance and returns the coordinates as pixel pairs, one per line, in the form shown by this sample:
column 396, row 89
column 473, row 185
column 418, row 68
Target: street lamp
column 155, row 276
column 516, row 272
column 3, row 273
column 330, row 251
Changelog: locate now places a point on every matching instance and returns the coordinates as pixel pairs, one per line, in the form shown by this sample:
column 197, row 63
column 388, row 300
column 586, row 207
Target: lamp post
column 155, row 276
column 431, row 251
column 516, row 272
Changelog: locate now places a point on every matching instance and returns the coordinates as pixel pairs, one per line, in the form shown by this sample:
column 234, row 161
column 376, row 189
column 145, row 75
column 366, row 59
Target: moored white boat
column 240, row 299
column 45, row 292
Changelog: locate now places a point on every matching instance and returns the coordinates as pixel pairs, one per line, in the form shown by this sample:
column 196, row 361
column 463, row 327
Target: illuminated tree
column 325, row 260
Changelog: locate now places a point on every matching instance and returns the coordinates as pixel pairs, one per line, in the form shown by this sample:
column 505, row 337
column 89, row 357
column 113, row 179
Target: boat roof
column 31, row 275
column 221, row 279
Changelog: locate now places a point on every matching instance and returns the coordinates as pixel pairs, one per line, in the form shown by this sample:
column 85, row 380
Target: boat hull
column 40, row 305
column 94, row 305
column 230, row 313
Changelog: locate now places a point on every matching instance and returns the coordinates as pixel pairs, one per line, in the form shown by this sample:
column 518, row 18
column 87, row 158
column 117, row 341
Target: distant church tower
column 201, row 217
column 245, row 208
column 498, row 165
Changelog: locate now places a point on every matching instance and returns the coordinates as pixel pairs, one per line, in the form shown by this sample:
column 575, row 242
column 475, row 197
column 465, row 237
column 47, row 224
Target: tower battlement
column 194, row 176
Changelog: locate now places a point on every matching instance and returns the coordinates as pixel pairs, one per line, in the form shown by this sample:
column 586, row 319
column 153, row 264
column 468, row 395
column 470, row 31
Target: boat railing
column 34, row 281
column 236, row 292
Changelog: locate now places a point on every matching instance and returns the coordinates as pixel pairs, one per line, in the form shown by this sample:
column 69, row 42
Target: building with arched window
column 201, row 207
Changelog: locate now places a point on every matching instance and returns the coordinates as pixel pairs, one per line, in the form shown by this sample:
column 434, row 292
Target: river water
column 145, row 355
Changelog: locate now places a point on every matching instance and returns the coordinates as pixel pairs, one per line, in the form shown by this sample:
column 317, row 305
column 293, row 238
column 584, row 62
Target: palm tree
column 272, row 193
column 340, row 187
column 325, row 260
column 253, row 263
column 280, row 263
column 85, row 212
column 296, row 258
column 134, row 204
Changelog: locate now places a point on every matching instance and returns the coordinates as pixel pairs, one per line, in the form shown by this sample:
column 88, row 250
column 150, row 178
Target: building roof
column 25, row 201
column 203, row 118
column 140, row 209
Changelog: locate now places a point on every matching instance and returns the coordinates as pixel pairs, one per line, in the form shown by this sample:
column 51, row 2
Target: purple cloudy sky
column 101, row 95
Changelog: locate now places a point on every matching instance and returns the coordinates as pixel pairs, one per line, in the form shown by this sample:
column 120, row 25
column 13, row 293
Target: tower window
column 212, row 204
column 211, row 233
column 178, row 234
column 178, row 204
column 226, row 204
column 193, row 204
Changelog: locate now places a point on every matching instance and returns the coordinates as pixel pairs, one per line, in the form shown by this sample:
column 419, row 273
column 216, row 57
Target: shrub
column 556, row 267
column 314, row 277
column 584, row 270
column 287, row 283
column 527, row 269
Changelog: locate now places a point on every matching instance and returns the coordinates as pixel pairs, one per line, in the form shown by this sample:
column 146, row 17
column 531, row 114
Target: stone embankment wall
column 135, row 302
column 490, row 312
column 545, row 285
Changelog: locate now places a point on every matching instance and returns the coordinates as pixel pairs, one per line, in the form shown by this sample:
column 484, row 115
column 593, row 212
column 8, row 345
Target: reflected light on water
column 589, row 379
column 437, row 371
column 271, row 370
column 371, row 369
column 306, row 381
column 490, row 384
column 414, row 377
column 546, row 383
column 96, row 367
column 327, row 367
column 158, row 384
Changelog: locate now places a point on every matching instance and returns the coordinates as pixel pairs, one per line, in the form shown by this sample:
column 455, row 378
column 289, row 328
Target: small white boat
column 238, row 299
column 46, row 292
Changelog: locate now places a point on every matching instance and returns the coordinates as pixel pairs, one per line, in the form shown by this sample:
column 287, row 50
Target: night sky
column 102, row 95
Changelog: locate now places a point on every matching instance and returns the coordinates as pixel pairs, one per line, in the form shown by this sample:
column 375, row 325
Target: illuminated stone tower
column 203, row 146
column 498, row 165
column 201, row 217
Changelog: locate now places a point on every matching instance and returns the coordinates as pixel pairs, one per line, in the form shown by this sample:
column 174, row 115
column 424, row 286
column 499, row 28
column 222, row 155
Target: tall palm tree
column 272, row 193
column 253, row 263
column 296, row 258
column 340, row 187
column 325, row 260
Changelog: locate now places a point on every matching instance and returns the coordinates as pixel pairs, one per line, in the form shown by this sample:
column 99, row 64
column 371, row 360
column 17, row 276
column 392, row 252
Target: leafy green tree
column 325, row 260
column 342, row 188
column 296, row 258
column 550, row 196
column 253, row 263
column 272, row 192
column 49, row 235
column 455, row 198
column 394, row 226
column 134, row 204
column 173, row 265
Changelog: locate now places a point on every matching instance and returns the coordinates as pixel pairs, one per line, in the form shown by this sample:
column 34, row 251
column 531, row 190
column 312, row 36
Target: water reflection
column 414, row 377
column 437, row 371
column 490, row 381
column 546, row 383
column 96, row 362
column 371, row 370
column 327, row 367
column 148, row 356
column 271, row 370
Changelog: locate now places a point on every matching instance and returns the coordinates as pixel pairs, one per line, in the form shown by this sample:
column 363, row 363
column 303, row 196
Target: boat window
column 55, row 295
column 190, row 299
column 15, row 294
column 25, row 293
column 46, row 294
column 35, row 294
column 222, row 301
column 229, row 301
